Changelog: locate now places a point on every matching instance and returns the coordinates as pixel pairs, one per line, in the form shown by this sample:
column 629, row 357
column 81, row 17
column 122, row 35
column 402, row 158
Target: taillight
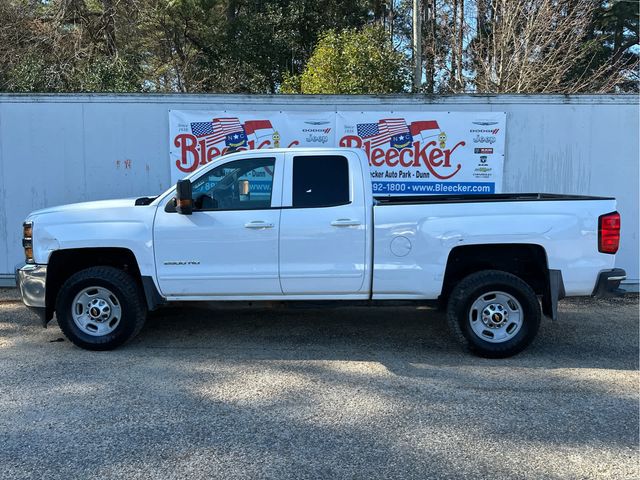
column 609, row 232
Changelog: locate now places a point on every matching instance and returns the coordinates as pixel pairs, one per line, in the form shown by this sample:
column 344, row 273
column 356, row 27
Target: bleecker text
column 195, row 153
column 429, row 156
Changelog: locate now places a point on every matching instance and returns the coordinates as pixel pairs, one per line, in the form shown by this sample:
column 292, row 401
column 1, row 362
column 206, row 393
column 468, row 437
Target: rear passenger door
column 323, row 234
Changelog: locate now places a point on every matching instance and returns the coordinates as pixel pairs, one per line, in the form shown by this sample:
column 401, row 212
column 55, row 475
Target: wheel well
column 64, row 263
column 527, row 261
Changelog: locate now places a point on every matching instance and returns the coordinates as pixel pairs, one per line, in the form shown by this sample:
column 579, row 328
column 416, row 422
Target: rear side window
column 320, row 181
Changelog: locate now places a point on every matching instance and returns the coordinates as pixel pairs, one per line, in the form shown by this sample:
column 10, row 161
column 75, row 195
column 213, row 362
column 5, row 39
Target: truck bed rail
column 497, row 197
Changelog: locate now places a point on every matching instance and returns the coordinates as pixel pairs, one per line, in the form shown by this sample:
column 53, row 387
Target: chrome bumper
column 31, row 280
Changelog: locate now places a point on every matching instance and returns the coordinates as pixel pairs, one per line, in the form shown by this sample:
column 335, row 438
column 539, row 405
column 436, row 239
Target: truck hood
column 105, row 223
column 87, row 207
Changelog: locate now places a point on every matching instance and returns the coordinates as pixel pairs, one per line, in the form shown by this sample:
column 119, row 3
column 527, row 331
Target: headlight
column 27, row 241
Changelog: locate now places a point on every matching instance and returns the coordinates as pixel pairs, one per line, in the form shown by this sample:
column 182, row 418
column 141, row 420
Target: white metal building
column 57, row 149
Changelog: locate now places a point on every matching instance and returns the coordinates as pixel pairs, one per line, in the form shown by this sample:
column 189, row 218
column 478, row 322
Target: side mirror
column 184, row 197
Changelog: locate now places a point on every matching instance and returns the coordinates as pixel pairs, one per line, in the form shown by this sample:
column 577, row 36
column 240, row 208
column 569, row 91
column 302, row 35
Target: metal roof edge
column 337, row 100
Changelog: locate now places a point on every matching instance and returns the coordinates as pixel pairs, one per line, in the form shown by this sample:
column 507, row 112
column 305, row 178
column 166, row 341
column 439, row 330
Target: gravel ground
column 332, row 393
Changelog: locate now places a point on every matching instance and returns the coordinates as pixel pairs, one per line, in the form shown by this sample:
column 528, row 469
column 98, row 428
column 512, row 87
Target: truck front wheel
column 493, row 314
column 100, row 308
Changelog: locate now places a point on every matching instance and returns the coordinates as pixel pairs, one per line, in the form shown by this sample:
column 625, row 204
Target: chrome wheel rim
column 96, row 311
column 496, row 317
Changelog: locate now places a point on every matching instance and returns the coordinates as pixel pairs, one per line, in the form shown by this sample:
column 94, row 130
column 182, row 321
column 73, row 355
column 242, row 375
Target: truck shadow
column 589, row 334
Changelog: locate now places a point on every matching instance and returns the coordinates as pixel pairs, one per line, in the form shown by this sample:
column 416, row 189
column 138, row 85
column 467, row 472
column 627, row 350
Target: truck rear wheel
column 100, row 308
column 494, row 314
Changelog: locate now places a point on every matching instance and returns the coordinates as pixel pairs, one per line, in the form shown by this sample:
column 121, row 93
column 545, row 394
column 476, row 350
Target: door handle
column 258, row 224
column 345, row 222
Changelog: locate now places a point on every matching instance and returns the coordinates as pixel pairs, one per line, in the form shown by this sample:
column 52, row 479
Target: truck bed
column 498, row 197
column 565, row 226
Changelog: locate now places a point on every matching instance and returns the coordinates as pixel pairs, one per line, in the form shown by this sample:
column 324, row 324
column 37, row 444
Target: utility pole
column 417, row 45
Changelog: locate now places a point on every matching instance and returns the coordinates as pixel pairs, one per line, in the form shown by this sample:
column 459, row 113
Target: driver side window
column 238, row 185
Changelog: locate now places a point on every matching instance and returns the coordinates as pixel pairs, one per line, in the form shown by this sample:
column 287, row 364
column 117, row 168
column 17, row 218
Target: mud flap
column 555, row 291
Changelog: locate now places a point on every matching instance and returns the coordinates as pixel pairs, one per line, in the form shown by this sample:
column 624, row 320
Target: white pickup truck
column 266, row 225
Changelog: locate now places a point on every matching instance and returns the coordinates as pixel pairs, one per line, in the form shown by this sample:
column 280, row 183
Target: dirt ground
column 321, row 393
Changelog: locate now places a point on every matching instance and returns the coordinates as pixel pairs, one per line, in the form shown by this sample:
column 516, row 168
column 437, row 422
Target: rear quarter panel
column 567, row 230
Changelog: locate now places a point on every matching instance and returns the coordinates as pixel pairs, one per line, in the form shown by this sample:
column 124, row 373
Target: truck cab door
column 324, row 234
column 228, row 246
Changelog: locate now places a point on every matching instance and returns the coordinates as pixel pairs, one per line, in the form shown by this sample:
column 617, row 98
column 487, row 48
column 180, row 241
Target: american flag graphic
column 383, row 131
column 217, row 130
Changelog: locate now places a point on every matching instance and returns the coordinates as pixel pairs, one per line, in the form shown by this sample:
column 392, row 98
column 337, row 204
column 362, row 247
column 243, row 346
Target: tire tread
column 132, row 296
column 472, row 283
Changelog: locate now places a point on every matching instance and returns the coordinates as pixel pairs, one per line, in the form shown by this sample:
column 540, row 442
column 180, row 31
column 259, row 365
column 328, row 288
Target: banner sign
column 197, row 138
column 418, row 153
column 410, row 153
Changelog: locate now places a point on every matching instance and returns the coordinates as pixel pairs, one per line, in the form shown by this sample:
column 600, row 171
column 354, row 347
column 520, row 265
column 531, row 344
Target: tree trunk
column 460, row 46
column 390, row 17
column 431, row 47
column 481, row 11
column 109, row 25
column 454, row 51
column 417, row 46
column 377, row 8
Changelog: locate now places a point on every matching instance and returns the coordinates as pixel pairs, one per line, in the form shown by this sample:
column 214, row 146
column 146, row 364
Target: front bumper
column 608, row 284
column 31, row 280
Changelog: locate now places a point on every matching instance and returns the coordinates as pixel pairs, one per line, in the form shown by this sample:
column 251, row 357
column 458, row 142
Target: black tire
column 129, row 298
column 473, row 287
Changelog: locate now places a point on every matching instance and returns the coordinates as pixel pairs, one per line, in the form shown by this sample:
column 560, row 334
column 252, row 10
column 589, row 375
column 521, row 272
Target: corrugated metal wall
column 57, row 149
